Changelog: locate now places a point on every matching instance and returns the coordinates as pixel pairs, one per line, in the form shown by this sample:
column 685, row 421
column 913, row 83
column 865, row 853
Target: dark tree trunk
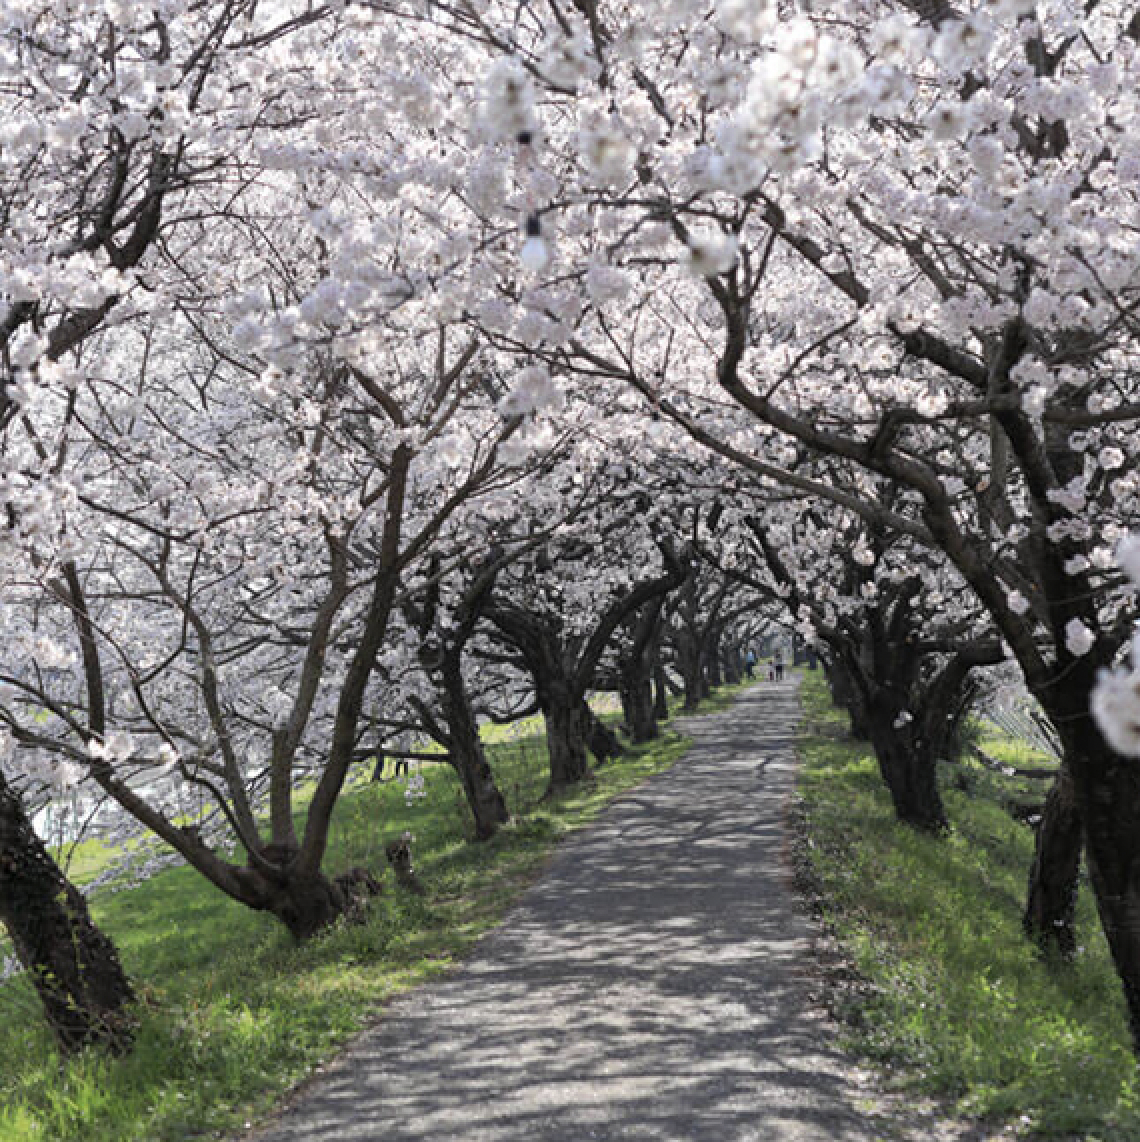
column 603, row 742
column 487, row 804
column 913, row 714
column 846, row 695
column 567, row 735
column 639, row 710
column 689, row 647
column 712, row 668
column 944, row 700
column 305, row 904
column 1110, row 809
column 628, row 712
column 636, row 677
column 692, row 677
column 1051, row 902
column 564, row 669
column 74, row 967
column 695, row 689
column 1107, row 789
column 910, row 772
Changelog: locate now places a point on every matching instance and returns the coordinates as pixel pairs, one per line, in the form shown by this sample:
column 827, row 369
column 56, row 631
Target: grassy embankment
column 233, row 1012
column 952, row 998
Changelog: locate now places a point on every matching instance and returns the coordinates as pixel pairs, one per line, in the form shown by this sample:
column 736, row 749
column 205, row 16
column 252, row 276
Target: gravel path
column 656, row 984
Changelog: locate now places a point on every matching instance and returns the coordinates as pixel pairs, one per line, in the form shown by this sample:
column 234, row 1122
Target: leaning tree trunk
column 487, row 804
column 74, row 967
column 1051, row 901
column 484, row 798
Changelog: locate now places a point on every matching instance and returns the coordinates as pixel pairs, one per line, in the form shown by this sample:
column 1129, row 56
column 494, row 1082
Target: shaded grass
column 953, row 997
column 233, row 1013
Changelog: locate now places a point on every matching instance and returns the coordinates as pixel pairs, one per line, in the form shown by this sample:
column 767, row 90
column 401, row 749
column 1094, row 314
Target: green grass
column 233, row 1013
column 952, row 998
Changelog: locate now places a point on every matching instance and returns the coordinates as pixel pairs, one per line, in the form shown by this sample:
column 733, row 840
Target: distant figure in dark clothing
column 779, row 664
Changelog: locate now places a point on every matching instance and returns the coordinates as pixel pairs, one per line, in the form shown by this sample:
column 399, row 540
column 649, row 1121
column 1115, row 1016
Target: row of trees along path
column 265, row 487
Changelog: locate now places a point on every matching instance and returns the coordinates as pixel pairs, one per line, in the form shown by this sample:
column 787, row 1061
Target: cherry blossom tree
column 294, row 310
column 107, row 117
column 895, row 631
column 913, row 229
column 560, row 609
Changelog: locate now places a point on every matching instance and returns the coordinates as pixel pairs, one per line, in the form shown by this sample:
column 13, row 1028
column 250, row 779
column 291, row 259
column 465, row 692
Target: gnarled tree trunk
column 567, row 738
column 910, row 772
column 305, row 903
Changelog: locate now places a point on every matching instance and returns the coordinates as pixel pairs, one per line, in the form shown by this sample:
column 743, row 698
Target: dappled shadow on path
column 653, row 986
